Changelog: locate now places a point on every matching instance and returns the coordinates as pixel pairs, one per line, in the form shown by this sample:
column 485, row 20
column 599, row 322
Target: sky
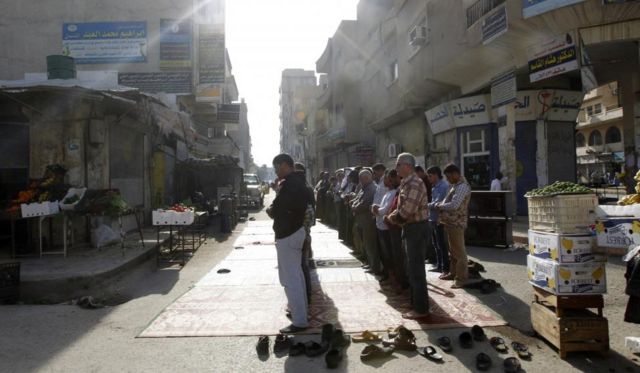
column 265, row 37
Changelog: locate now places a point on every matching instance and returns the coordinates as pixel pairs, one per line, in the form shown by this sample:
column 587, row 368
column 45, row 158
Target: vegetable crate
column 39, row 209
column 577, row 330
column 573, row 213
column 9, row 282
column 169, row 217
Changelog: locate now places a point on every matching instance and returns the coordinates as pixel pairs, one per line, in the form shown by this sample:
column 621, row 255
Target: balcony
column 610, row 114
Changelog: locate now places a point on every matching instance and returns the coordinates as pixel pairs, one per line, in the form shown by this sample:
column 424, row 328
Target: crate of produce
column 72, row 198
column 564, row 248
column 39, row 209
column 564, row 213
column 617, row 233
column 575, row 331
column 557, row 278
column 170, row 217
column 9, row 282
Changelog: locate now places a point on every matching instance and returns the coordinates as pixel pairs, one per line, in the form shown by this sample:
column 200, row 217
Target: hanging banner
column 554, row 57
column 532, row 8
column 211, row 51
column 175, row 44
column 494, row 24
column 167, row 82
column 105, row 42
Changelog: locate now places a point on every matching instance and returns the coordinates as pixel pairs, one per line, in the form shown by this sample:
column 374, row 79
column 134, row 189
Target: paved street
column 65, row 338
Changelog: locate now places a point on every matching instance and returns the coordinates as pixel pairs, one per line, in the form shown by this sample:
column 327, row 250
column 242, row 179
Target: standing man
column 288, row 212
column 412, row 215
column 496, row 184
column 453, row 214
column 361, row 208
column 438, row 194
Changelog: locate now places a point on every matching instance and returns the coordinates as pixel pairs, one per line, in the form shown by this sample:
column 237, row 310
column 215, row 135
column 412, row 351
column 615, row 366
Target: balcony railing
column 479, row 9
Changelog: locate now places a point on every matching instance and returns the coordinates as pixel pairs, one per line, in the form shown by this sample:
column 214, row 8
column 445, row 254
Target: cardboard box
column 617, row 232
column 557, row 278
column 564, row 248
column 39, row 209
column 169, row 217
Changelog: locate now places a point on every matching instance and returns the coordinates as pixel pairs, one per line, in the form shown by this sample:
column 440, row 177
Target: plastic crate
column 572, row 213
column 9, row 282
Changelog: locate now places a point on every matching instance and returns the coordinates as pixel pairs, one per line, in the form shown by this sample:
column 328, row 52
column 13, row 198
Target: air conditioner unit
column 393, row 150
column 418, row 35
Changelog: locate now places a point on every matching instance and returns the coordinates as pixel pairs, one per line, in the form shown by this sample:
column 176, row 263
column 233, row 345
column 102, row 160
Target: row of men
column 393, row 217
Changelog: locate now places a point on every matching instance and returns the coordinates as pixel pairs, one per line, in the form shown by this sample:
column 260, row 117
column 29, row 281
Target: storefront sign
column 554, row 57
column 552, row 105
column 494, row 24
column 532, row 8
column 229, row 113
column 503, row 90
column 175, row 44
column 526, row 106
column 209, row 93
column 470, row 111
column 439, row 119
column 168, row 82
column 107, row 42
column 211, row 54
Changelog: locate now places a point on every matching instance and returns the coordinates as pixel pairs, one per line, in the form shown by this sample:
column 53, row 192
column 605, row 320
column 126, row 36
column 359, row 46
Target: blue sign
column 105, row 42
column 494, row 25
column 175, row 44
column 532, row 8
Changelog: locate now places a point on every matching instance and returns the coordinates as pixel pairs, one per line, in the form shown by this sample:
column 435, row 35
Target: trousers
column 459, row 266
column 289, row 252
column 415, row 239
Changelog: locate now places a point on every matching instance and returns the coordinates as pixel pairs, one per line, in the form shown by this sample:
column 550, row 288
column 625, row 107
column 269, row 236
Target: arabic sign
column 470, row 111
column 556, row 105
column 554, row 57
column 107, row 42
column 211, row 54
column 439, row 119
column 494, row 24
column 168, row 82
column 532, row 8
column 503, row 89
column 175, row 44
column 229, row 113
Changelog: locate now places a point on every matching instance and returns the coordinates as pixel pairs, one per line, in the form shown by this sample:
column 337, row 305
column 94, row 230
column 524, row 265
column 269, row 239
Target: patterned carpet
column 250, row 301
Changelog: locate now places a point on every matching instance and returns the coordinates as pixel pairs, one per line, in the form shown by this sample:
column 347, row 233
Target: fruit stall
column 186, row 227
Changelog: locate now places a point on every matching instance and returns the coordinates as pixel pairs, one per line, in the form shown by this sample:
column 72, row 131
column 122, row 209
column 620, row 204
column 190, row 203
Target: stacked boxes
column 561, row 257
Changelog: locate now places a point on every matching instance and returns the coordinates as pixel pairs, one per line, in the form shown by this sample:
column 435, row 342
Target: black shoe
column 292, row 329
column 333, row 358
column 281, row 344
column 262, row 347
column 327, row 333
column 340, row 340
column 478, row 333
column 466, row 341
column 296, row 349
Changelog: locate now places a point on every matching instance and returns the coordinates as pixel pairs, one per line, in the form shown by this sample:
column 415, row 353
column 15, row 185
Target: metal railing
column 479, row 9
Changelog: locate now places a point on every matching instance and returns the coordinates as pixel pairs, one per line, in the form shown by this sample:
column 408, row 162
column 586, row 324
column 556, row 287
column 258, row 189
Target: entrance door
column 526, row 150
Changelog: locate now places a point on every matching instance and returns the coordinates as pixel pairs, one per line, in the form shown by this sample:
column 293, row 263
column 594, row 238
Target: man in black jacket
column 288, row 211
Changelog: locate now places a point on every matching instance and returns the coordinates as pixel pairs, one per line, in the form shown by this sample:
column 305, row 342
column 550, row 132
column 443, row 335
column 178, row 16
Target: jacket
column 289, row 206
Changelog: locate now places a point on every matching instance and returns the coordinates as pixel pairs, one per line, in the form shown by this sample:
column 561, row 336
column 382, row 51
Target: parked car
column 255, row 194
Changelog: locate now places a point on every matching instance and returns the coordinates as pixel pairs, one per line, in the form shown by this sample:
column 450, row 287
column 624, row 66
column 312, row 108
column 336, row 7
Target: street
column 66, row 338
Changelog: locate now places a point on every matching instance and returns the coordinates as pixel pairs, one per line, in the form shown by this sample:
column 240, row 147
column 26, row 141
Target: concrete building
column 599, row 141
column 298, row 90
column 488, row 84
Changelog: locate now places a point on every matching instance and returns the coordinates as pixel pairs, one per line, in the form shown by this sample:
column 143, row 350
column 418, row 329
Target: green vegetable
column 559, row 187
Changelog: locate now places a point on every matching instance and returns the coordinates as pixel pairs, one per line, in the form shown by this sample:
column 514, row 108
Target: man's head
column 325, row 175
column 405, row 164
column 394, row 180
column 378, row 171
column 299, row 167
column 419, row 171
column 499, row 175
column 452, row 172
column 283, row 165
column 365, row 177
column 340, row 175
column 434, row 174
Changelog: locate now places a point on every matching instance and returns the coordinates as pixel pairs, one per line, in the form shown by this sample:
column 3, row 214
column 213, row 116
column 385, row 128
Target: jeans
column 289, row 252
column 415, row 238
column 440, row 245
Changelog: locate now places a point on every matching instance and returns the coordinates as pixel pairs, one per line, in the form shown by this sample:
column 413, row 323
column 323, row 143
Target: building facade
column 298, row 91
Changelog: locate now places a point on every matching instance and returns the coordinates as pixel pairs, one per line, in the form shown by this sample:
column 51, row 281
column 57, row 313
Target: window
column 580, row 141
column 613, row 135
column 393, row 71
column 589, row 110
column 479, row 9
column 595, row 138
column 597, row 109
column 476, row 157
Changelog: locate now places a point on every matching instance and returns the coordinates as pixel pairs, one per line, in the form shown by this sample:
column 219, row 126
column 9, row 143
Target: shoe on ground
column 438, row 270
column 262, row 347
column 457, row 284
column 413, row 315
column 447, row 277
column 292, row 329
column 281, row 344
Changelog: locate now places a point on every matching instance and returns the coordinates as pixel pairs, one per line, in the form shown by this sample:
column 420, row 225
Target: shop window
column 613, row 135
column 580, row 140
column 476, row 158
column 595, row 138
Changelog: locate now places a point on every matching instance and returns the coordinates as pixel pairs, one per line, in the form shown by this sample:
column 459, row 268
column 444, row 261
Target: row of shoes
column 333, row 342
column 400, row 338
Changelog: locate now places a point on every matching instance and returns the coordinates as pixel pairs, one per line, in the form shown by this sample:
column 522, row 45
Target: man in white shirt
column 496, row 184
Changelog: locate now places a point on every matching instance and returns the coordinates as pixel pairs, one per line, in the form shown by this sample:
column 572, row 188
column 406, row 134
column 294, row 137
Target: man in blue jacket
column 288, row 211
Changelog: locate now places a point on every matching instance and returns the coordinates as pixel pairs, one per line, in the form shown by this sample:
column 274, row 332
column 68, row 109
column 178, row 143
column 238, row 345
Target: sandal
column 521, row 349
column 466, row 341
column 430, row 353
column 366, row 336
column 405, row 343
column 371, row 352
column 478, row 333
column 483, row 361
column 445, row 344
column 512, row 365
column 499, row 345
